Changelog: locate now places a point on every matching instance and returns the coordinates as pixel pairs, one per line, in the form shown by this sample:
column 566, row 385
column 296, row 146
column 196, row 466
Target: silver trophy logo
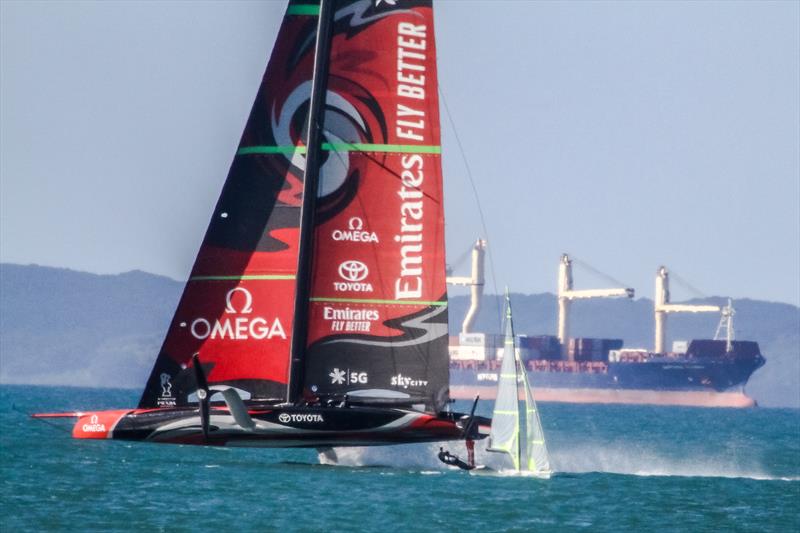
column 166, row 386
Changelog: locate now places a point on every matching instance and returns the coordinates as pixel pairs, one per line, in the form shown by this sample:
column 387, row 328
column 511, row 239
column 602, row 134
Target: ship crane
column 566, row 294
column 726, row 325
column 663, row 307
column 475, row 282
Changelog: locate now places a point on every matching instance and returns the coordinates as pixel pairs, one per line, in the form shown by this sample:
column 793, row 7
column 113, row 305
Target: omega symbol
column 355, row 223
column 248, row 301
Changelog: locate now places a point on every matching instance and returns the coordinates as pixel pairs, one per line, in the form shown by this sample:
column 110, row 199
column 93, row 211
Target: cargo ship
column 702, row 372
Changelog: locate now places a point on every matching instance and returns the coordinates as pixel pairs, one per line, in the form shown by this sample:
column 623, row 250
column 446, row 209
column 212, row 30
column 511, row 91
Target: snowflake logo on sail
column 337, row 376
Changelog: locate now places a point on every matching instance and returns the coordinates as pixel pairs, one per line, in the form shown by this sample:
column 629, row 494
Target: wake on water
column 587, row 458
column 583, row 459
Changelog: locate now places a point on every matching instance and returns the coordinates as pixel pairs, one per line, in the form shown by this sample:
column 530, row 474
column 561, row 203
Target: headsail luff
column 378, row 307
column 236, row 308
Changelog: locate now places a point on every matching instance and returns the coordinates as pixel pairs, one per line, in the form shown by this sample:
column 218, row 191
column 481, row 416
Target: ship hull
column 710, row 383
column 688, row 398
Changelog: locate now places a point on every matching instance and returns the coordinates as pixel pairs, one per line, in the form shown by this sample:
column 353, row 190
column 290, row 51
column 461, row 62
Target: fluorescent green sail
column 516, row 427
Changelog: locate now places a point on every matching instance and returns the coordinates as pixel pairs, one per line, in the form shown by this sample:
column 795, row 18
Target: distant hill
column 59, row 326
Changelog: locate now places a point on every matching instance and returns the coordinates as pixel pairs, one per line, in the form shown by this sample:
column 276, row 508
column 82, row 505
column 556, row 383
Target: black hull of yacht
column 278, row 426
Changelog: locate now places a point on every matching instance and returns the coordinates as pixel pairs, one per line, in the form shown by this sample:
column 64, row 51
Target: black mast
column 316, row 115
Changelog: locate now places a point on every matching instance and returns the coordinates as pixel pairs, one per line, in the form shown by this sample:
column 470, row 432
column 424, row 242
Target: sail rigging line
column 43, row 419
column 316, row 116
column 362, row 148
column 597, row 272
column 339, row 154
column 460, row 260
column 478, row 202
column 688, row 286
column 367, row 149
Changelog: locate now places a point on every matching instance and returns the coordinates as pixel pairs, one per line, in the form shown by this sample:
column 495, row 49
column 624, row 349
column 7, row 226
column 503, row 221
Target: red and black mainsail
column 373, row 301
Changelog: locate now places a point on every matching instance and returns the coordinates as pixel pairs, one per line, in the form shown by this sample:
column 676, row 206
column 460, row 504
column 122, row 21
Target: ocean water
column 620, row 468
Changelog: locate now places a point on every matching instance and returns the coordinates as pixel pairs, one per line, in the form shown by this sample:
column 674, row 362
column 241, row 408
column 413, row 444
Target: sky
column 628, row 134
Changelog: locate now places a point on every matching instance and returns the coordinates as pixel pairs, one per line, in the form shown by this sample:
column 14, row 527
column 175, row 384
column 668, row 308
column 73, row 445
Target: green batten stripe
column 398, row 148
column 343, row 147
column 245, row 277
column 365, row 301
column 300, row 9
column 287, row 149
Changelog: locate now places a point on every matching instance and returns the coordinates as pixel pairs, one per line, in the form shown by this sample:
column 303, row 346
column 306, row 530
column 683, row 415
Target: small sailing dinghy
column 316, row 311
column 516, row 428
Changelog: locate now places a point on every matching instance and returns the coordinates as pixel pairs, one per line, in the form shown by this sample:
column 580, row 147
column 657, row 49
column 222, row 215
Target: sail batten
column 262, row 277
column 343, row 147
column 303, row 9
column 412, row 303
